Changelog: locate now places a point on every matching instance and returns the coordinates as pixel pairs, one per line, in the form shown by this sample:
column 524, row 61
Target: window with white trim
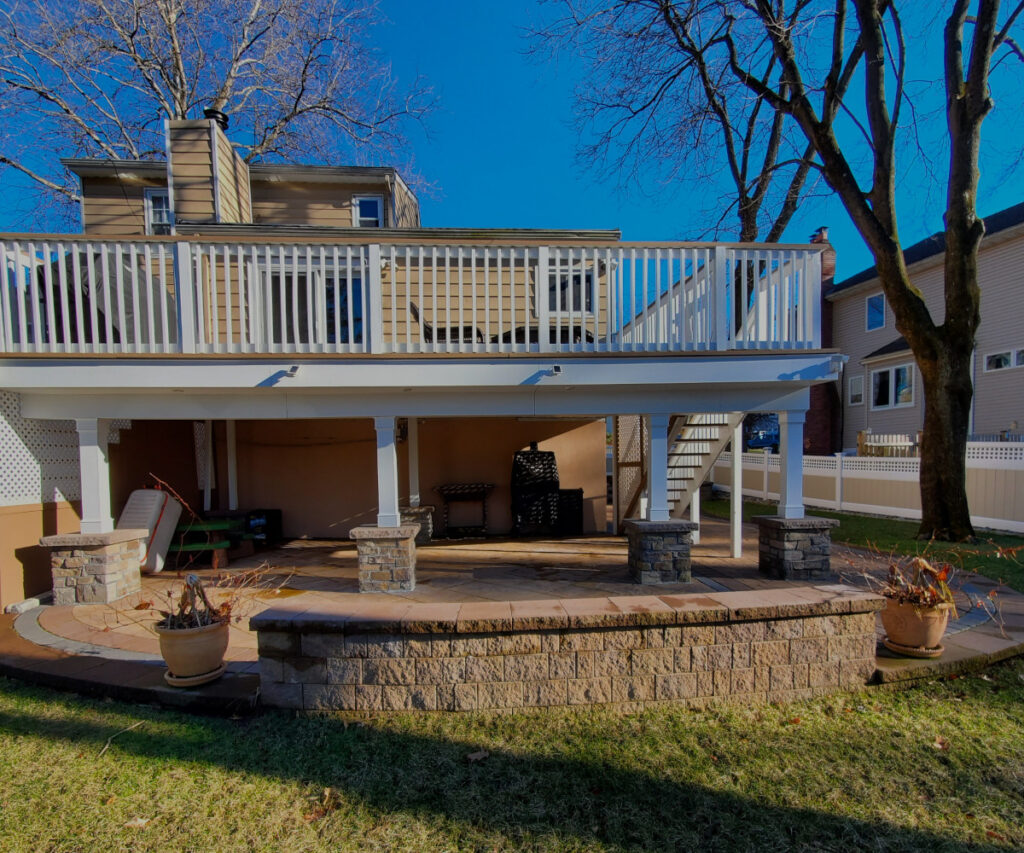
column 855, row 391
column 1004, row 360
column 892, row 387
column 874, row 312
column 368, row 211
column 159, row 219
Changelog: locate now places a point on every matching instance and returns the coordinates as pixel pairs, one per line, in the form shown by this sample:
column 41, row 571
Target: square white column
column 94, row 473
column 387, row 473
column 791, row 443
column 736, row 493
column 657, row 477
column 414, row 461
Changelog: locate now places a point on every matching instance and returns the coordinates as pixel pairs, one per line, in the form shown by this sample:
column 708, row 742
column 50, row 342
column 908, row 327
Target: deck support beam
column 736, row 493
column 94, row 470
column 791, row 443
column 387, row 473
column 657, row 472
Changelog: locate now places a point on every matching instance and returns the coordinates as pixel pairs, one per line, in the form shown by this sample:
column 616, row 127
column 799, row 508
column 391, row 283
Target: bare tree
column 98, row 78
column 657, row 99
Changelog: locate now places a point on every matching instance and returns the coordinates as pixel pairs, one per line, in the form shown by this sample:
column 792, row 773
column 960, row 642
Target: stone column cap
column 808, row 522
column 676, row 525
column 94, row 540
column 371, row 531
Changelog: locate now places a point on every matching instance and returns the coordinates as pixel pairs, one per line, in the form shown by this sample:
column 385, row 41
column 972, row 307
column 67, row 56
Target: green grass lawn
column 938, row 768
column 992, row 556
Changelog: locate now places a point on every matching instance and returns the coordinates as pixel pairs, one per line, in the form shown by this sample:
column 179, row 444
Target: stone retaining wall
column 753, row 647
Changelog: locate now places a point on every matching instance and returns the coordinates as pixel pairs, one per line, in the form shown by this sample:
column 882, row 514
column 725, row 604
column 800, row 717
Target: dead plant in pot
column 920, row 601
column 194, row 636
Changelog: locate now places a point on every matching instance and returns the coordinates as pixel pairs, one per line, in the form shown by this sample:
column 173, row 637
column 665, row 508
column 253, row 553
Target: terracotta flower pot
column 915, row 630
column 193, row 655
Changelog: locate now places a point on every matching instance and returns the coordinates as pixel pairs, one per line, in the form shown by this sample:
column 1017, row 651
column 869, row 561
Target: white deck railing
column 78, row 295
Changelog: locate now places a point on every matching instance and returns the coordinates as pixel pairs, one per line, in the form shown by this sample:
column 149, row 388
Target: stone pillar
column 424, row 517
column 659, row 551
column 95, row 568
column 794, row 548
column 94, row 474
column 387, row 557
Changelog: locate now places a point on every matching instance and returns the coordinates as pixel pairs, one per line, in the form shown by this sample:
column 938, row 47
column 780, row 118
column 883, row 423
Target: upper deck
column 380, row 294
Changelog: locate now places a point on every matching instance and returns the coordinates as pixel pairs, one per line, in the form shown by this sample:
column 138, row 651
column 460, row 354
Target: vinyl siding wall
column 113, row 208
column 192, row 169
column 999, row 396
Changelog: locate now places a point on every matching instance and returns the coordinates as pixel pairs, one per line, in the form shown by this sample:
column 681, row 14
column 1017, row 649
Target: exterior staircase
column 695, row 442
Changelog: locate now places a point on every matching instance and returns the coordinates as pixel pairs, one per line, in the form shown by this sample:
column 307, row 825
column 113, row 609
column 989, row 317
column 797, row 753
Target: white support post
column 657, row 482
column 208, row 455
column 387, row 473
column 94, row 470
column 839, row 482
column 695, row 516
column 184, row 298
column 736, row 494
column 375, row 298
column 791, row 443
column 414, row 462
column 232, row 467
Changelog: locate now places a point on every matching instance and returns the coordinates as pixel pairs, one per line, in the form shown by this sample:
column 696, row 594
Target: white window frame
column 855, row 381
column 1015, row 356
column 148, row 193
column 356, row 219
column 893, row 404
column 867, row 312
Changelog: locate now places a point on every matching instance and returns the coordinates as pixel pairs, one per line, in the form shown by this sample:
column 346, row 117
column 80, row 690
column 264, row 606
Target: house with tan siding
column 292, row 337
column 881, row 384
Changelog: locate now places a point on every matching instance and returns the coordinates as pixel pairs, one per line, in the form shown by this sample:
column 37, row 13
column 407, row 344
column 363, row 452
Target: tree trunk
column 947, row 407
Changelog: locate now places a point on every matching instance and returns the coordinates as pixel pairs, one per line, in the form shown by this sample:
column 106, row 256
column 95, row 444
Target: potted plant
column 918, row 607
column 194, row 637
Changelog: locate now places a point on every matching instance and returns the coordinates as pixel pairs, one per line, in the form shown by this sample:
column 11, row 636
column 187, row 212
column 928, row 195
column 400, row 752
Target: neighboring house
column 882, row 388
column 291, row 337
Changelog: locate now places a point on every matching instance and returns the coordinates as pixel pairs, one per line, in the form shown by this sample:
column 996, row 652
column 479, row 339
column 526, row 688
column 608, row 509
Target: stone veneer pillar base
column 794, row 548
column 95, row 568
column 659, row 551
column 387, row 557
column 424, row 517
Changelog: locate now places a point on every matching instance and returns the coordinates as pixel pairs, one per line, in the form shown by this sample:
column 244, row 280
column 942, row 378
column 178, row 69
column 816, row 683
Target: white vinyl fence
column 889, row 486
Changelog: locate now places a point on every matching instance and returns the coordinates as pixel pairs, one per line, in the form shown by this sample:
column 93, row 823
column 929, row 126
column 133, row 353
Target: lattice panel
column 39, row 457
column 629, row 459
column 1001, row 451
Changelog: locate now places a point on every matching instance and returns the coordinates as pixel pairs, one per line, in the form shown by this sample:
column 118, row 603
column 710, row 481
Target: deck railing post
column 184, row 298
column 375, row 298
column 721, row 298
column 813, row 292
column 542, row 288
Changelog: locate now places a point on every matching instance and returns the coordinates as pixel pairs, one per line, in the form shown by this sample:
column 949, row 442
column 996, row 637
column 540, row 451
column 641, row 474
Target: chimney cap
column 218, row 116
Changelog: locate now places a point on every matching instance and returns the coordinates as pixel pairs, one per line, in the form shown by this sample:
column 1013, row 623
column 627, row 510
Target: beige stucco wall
column 24, row 565
column 999, row 396
column 322, row 473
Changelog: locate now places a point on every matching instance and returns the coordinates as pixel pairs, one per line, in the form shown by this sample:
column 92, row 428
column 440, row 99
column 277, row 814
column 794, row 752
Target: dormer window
column 159, row 220
column 369, row 211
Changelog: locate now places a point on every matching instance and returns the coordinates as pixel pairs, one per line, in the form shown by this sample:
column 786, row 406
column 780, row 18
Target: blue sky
column 502, row 150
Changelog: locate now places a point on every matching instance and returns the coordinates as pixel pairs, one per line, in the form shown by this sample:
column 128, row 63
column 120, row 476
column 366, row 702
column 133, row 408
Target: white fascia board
column 519, row 402
column 292, row 374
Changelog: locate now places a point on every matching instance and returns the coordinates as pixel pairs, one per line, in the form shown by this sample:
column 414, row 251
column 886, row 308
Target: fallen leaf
column 138, row 822
column 795, row 721
column 941, row 743
column 992, row 834
column 984, row 677
column 110, row 799
column 480, row 755
column 969, row 815
column 144, row 605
